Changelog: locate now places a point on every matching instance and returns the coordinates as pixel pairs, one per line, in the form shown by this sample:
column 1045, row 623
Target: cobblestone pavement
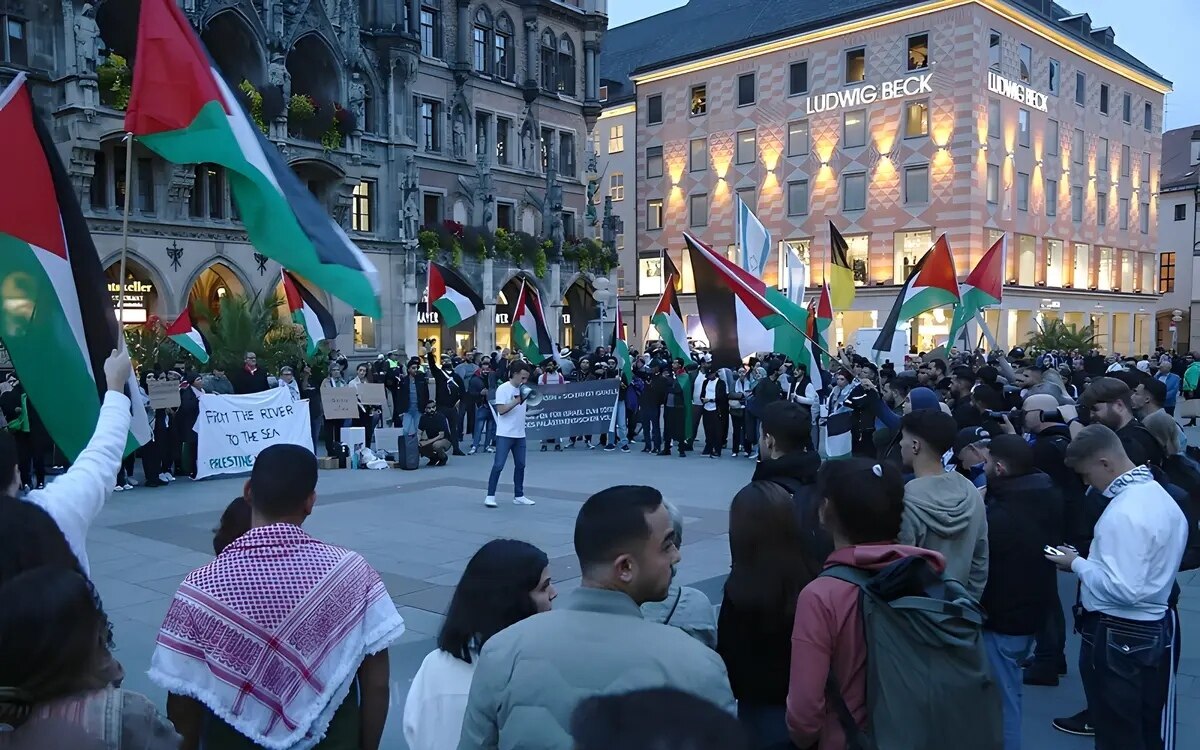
column 419, row 529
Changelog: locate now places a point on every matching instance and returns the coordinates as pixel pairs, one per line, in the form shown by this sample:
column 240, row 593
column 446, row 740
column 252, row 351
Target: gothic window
column 566, row 66
column 14, row 40
column 431, row 28
column 481, row 35
column 549, row 61
column 502, row 48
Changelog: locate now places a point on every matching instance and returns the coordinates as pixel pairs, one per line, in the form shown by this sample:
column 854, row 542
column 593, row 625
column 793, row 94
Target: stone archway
column 145, row 293
column 315, row 73
column 213, row 283
column 579, row 308
column 235, row 48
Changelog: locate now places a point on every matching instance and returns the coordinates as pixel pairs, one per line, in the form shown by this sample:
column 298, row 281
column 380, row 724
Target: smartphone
column 1052, row 551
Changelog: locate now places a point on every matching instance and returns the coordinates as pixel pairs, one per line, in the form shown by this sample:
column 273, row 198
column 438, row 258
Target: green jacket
column 532, row 675
column 1191, row 377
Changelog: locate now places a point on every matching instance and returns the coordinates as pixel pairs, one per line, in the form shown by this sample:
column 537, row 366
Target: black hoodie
column 797, row 473
column 1024, row 514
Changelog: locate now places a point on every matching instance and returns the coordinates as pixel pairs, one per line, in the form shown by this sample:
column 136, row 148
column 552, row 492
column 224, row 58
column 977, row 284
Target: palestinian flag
column 57, row 321
column 841, row 275
column 742, row 315
column 620, row 348
column 822, row 321
column 983, row 287
column 450, row 293
column 189, row 338
column 530, row 334
column 669, row 271
column 837, row 441
column 932, row 283
column 182, row 109
column 668, row 321
column 308, row 313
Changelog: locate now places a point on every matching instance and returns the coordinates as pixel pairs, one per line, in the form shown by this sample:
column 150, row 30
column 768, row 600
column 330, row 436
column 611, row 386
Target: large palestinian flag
column 57, row 320
column 450, row 293
column 307, row 312
column 182, row 109
column 189, row 337
column 668, row 321
column 932, row 283
column 983, row 287
column 530, row 334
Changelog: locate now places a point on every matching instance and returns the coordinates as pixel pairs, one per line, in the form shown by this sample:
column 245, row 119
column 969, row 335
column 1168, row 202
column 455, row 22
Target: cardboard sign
column 232, row 430
column 339, row 403
column 164, row 394
column 573, row 409
column 372, row 394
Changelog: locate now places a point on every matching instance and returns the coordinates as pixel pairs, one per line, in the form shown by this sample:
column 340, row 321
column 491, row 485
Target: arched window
column 481, row 34
column 566, row 66
column 503, row 50
column 549, row 61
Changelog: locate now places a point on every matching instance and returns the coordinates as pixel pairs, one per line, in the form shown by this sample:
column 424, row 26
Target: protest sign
column 572, row 409
column 339, row 403
column 232, row 430
column 164, row 394
column 372, row 394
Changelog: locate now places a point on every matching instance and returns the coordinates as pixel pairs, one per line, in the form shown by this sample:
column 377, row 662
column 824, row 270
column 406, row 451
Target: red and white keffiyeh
column 270, row 634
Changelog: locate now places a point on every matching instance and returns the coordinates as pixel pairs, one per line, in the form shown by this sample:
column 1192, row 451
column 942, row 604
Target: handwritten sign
column 372, row 394
column 164, row 394
column 573, row 409
column 232, row 430
column 339, row 403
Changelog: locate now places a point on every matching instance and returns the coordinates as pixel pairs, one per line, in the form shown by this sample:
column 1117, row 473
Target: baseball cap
column 969, row 436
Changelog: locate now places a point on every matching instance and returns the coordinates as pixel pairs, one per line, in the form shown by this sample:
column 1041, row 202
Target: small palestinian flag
column 530, row 334
column 57, row 321
column 453, row 297
column 983, row 287
column 189, row 338
column 620, row 348
column 308, row 313
column 931, row 284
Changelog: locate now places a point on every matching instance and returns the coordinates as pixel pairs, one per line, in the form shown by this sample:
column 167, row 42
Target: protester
column 503, row 583
column 287, row 382
column 329, row 594
column 771, row 561
column 677, row 406
column 714, row 401
column 1189, row 390
column 1173, row 384
column 54, row 667
column 1125, row 583
column 509, row 406
column 656, row 719
column 479, row 386
column 366, row 412
column 685, row 607
column 235, row 521
column 412, row 393
column 250, row 379
column 531, row 676
column 970, row 454
column 434, row 436
column 1024, row 515
column 1110, row 402
column 1181, row 470
column 653, row 399
column 943, row 511
column 448, row 391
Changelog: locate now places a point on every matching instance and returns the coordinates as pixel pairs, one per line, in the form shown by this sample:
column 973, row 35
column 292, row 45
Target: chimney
column 1195, row 147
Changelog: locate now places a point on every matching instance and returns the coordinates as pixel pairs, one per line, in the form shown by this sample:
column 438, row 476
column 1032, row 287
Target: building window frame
column 1023, row 192
column 1102, row 155
column 654, row 214
column 1077, row 203
column 362, row 213
column 616, row 186
column 430, row 121
column 1025, row 63
column 993, row 119
column 698, row 155
column 1127, row 108
column 482, row 30
column 992, row 184
column 698, row 210
column 911, row 63
column 1023, row 127
column 1050, row 191
column 853, row 58
column 801, row 67
column 616, row 138
column 698, row 100
column 10, row 52
column 1052, row 136
column 752, row 78
column 503, row 48
column 1080, row 88
column 860, row 140
column 654, row 109
column 1180, row 215
column 922, row 105
column 431, row 30
column 1101, row 209
column 910, row 172
column 849, row 200
column 797, row 204
column 1104, row 96
column 1144, row 217
column 1053, row 77
column 1166, row 272
column 654, row 162
column 742, row 156
column 995, row 50
column 798, row 138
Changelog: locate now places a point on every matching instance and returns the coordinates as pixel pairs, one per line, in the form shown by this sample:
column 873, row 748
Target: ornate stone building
column 400, row 115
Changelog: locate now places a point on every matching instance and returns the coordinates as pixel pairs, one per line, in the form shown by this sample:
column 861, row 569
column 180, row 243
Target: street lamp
column 1176, row 317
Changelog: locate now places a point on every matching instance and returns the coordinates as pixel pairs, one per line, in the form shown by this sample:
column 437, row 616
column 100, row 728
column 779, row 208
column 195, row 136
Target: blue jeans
column 1126, row 669
column 1005, row 653
column 410, row 421
column 503, row 446
column 766, row 726
column 485, row 426
column 651, row 426
column 621, row 435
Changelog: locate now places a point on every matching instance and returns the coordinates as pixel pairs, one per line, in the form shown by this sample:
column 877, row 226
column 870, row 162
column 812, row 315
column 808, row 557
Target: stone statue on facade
column 410, row 191
column 528, row 147
column 358, row 100
column 458, row 133
column 278, row 76
column 593, row 187
column 550, row 203
column 480, row 190
column 87, row 40
column 404, row 72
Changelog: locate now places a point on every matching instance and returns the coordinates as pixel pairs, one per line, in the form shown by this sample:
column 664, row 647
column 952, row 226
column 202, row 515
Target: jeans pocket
column 1130, row 649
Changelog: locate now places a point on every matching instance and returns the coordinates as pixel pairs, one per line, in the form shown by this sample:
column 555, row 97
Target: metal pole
column 125, row 233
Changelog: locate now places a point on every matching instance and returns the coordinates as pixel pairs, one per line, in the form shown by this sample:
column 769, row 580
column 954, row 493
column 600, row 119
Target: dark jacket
column 422, row 393
column 766, row 391
column 245, row 381
column 862, row 401
column 1141, row 447
column 655, row 394
column 448, row 388
column 1024, row 515
column 1049, row 457
column 797, row 473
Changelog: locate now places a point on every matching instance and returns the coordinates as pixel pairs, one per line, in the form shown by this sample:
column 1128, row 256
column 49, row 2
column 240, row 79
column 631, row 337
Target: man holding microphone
column 509, row 406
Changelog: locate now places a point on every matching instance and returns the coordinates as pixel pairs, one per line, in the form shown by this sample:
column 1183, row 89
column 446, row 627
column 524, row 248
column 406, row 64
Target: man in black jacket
column 714, row 404
column 650, row 408
column 251, row 378
column 1024, row 514
column 448, row 392
column 1111, row 404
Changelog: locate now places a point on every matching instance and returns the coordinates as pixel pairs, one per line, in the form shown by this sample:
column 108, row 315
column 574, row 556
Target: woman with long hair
column 366, row 414
column 52, row 665
column 771, row 564
column 504, row 582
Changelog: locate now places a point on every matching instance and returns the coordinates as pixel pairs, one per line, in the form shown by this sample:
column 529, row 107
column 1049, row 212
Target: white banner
column 231, row 430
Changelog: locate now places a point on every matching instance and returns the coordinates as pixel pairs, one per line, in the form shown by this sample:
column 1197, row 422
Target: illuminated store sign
column 868, row 94
column 998, row 84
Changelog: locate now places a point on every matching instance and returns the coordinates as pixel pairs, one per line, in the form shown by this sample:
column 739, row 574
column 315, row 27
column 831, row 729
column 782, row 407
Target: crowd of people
column 900, row 597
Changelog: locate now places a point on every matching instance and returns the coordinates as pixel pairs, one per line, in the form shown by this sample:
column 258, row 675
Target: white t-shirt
column 511, row 424
column 437, row 701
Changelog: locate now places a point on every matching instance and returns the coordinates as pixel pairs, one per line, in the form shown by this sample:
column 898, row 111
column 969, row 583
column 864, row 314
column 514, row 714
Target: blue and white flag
column 754, row 243
column 797, row 276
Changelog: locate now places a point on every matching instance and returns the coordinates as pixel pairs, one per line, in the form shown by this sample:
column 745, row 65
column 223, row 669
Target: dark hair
column 235, row 521
column 8, row 460
column 1156, row 389
column 868, row 506
column 51, row 639
column 518, row 367
column 1132, row 378
column 284, row 476
column 492, row 594
column 940, row 364
column 611, row 519
column 1106, row 390
column 964, row 373
column 932, row 426
column 1014, row 451
column 787, row 423
column 988, row 375
column 654, row 719
column 987, row 398
column 770, row 562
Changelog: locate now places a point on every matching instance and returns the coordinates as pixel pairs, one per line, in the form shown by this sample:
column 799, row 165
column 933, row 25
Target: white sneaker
column 490, row 501
column 471, row 452
column 118, row 488
column 590, row 446
column 127, row 486
column 489, row 449
column 165, row 477
column 753, row 456
column 522, row 500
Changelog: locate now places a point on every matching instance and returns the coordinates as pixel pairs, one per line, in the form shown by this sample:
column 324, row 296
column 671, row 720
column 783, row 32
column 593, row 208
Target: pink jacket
column 828, row 635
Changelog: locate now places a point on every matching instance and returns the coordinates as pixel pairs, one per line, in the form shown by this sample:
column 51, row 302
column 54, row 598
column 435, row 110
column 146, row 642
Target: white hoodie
column 75, row 499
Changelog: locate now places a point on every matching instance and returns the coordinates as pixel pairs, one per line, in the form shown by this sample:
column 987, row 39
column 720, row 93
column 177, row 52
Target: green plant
column 250, row 324
column 149, row 346
column 302, row 108
column 1055, row 334
column 331, row 139
column 456, row 255
column 504, row 243
column 115, row 81
column 254, row 98
column 540, row 262
column 427, row 239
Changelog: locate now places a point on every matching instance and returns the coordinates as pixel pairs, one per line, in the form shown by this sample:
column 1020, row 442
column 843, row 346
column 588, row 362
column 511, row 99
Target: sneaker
column 735, row 454
column 41, row 485
column 127, row 486
column 647, row 449
column 753, row 456
column 571, row 445
column 609, row 448
column 131, row 481
column 119, row 488
column 490, row 501
column 624, row 448
column 522, row 500
column 458, row 452
column 153, row 482
column 163, row 477
column 557, row 448
column 1077, row 725
column 589, row 445
column 489, row 449
column 473, row 451
column 545, row 448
